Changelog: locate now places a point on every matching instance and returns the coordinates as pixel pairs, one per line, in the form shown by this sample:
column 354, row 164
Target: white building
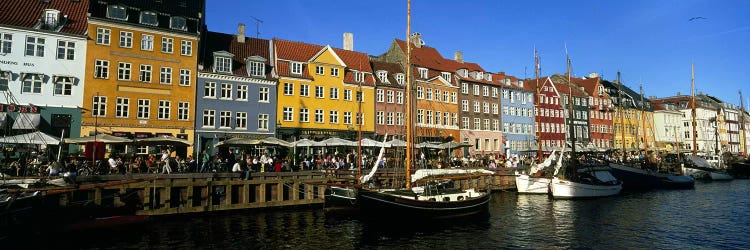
column 668, row 126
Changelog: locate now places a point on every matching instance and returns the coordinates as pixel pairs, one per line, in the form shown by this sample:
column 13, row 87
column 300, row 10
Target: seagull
column 696, row 18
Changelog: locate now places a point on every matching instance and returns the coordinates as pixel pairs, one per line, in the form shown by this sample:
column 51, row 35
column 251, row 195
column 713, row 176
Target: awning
column 71, row 79
column 27, row 74
column 27, row 121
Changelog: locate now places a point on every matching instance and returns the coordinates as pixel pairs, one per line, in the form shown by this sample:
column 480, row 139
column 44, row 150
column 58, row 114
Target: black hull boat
column 634, row 178
column 413, row 206
column 340, row 198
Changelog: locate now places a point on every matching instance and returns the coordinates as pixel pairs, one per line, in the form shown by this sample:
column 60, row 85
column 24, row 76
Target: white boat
column 701, row 169
column 535, row 182
column 590, row 182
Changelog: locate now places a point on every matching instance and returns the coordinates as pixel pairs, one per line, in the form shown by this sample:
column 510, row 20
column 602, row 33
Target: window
column 145, row 73
column 144, row 108
column 186, row 48
column 222, row 64
column 399, row 118
column 347, row 117
column 400, row 97
column 486, row 124
column 177, row 23
column 164, row 110
column 149, row 18
column 225, row 119
column 209, row 118
column 360, row 96
column 263, row 94
column 209, row 90
column 464, row 122
column 319, row 70
column 32, row 84
column 465, row 105
column 304, row 115
column 166, row 45
column 102, row 36
column 446, row 96
column 476, row 89
column 494, row 91
column 334, row 71
column 288, row 88
column 333, row 116
column 319, row 92
column 428, row 93
column 379, row 95
column 389, row 118
column 348, row 94
column 334, row 93
column 454, row 97
column 496, row 125
column 382, row 76
column 420, row 93
column 380, row 118
column 400, row 79
column 494, row 108
column 422, row 73
column 263, row 121
column 64, row 86
column 183, row 111
column 101, row 69
column 446, row 76
column 126, row 39
column 477, row 124
column 165, row 77
column 257, row 69
column 121, row 107
column 304, row 90
column 420, row 116
column 319, row 116
column 6, row 42
column 359, row 76
column 226, row 91
column 288, row 114
column 485, row 91
column 35, row 46
column 476, row 107
column 123, row 71
column 241, row 120
column 99, row 106
column 147, row 42
column 486, row 107
column 117, row 12
column 389, row 96
column 296, row 68
column 65, row 50
column 184, row 77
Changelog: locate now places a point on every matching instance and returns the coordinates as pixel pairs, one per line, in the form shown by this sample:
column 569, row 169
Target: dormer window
column 256, row 66
column 488, row 77
column 400, row 78
column 507, row 81
column 223, row 62
column 463, row 72
column 422, row 73
column 520, row 84
column 382, row 76
column 149, row 18
column 117, row 12
column 359, row 76
column 601, row 90
column 296, row 68
column 446, row 76
column 51, row 19
column 480, row 75
column 177, row 23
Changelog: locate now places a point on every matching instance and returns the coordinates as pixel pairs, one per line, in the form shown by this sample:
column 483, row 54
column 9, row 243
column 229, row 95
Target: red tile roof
column 563, row 87
column 214, row 42
column 26, row 13
column 391, row 68
column 303, row 52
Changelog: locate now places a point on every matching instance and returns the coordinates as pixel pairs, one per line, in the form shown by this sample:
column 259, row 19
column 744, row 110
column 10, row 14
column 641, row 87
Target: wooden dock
column 152, row 194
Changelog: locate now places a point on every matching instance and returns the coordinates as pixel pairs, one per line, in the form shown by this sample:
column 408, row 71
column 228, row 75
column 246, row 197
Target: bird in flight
column 696, row 18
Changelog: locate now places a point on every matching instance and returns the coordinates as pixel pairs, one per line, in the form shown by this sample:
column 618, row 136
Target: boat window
column 447, row 199
column 432, row 199
column 460, row 198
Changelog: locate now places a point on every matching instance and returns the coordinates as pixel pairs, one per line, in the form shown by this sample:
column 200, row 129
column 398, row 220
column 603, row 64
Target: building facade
column 237, row 89
column 480, row 110
column 389, row 99
column 633, row 114
column 705, row 122
column 668, row 124
column 548, row 114
column 141, row 69
column 600, row 111
column 323, row 92
column 42, row 58
column 579, row 116
column 517, row 104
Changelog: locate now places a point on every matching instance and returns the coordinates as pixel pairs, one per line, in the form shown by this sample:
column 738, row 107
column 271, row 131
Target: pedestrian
column 205, row 161
column 165, row 160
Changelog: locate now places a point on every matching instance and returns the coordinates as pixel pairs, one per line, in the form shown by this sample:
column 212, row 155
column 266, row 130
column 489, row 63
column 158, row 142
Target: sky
column 651, row 42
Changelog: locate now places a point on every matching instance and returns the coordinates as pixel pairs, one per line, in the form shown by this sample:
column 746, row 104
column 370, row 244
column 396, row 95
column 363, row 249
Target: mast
column 692, row 107
column 643, row 121
column 622, row 121
column 409, row 139
column 538, row 130
column 570, row 112
column 742, row 124
column 359, row 135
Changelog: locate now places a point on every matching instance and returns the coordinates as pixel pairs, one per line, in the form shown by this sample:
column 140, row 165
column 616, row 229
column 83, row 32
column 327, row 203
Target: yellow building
column 140, row 70
column 639, row 129
column 321, row 91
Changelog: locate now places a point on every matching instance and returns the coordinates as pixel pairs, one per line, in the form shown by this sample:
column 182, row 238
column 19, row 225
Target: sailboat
column 699, row 167
column 643, row 176
column 584, row 177
column 437, row 199
column 536, row 180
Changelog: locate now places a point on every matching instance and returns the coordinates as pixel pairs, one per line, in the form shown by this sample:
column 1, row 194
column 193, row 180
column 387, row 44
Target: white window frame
column 147, row 42
column 183, row 111
column 144, row 74
column 126, row 39
column 225, row 119
column 295, row 68
column 185, row 77
column 263, row 122
column 164, row 110
column 225, row 91
column 65, row 50
column 186, row 48
column 165, row 75
column 240, row 120
column 242, row 90
column 103, row 35
column 264, row 94
column 209, row 118
column 167, row 45
column 209, row 90
column 144, row 109
column 124, row 71
column 122, row 107
column 101, row 69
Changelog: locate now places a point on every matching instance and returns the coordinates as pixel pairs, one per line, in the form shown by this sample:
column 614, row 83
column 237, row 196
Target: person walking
column 165, row 159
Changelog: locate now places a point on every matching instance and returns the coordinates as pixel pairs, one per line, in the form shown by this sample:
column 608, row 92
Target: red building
column 548, row 113
column 601, row 110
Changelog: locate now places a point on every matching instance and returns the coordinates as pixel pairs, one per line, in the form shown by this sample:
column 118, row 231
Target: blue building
column 517, row 102
column 236, row 94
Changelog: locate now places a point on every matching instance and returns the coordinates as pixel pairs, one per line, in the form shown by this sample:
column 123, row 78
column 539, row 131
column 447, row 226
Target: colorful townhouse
column 389, row 99
column 323, row 92
column 634, row 116
column 236, row 95
column 480, row 109
column 668, row 127
column 42, row 58
column 436, row 89
column 705, row 136
column 600, row 110
column 578, row 116
column 141, row 69
column 517, row 104
column 548, row 114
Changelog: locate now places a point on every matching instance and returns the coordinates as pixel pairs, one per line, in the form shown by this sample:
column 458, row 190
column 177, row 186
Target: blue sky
column 650, row 42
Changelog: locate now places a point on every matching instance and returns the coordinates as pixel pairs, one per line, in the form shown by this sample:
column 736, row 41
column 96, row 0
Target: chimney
column 593, row 75
column 416, row 39
column 348, row 41
column 458, row 56
column 678, row 93
column 241, row 33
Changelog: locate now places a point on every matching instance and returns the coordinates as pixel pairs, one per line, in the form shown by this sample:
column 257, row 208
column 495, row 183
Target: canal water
column 714, row 215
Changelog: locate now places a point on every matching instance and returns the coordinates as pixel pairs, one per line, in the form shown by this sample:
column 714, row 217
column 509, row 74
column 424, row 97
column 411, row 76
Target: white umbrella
column 307, row 143
column 428, row 145
column 367, row 142
column 395, row 143
column 105, row 138
column 162, row 140
column 335, row 141
column 37, row 137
